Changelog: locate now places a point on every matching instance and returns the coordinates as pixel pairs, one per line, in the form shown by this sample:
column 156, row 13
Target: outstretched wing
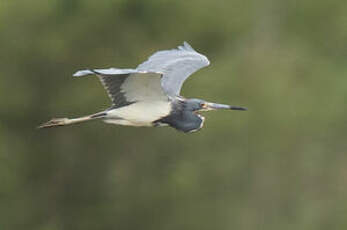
column 176, row 65
column 162, row 75
column 126, row 86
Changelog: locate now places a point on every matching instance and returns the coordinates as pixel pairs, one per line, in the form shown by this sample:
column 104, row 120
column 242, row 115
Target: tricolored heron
column 150, row 94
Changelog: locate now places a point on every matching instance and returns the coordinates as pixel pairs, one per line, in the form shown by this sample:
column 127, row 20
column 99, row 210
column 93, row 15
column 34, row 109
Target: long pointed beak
column 214, row 106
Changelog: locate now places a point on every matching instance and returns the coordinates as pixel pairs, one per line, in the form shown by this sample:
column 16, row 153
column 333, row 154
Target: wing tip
column 81, row 73
column 186, row 46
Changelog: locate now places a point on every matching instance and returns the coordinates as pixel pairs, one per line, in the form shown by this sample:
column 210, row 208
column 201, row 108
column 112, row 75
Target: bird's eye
column 202, row 105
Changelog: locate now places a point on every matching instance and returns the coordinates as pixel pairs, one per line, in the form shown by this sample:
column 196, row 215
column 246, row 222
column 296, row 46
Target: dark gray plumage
column 183, row 117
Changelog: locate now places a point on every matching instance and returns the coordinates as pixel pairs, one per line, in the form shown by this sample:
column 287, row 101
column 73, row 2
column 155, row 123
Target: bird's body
column 139, row 114
column 149, row 95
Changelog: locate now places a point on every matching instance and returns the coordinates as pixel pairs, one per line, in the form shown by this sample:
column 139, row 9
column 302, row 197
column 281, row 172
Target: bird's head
column 197, row 105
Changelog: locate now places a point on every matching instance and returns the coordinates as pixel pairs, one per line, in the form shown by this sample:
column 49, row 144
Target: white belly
column 139, row 114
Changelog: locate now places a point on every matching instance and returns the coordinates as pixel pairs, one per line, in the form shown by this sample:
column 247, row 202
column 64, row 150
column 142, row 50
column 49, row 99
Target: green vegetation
column 280, row 165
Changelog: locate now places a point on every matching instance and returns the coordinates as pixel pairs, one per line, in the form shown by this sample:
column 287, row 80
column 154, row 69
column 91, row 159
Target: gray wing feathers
column 176, row 66
column 111, row 83
column 126, row 86
column 114, row 90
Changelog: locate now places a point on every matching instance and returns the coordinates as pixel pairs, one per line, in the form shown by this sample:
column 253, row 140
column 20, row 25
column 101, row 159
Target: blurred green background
column 281, row 165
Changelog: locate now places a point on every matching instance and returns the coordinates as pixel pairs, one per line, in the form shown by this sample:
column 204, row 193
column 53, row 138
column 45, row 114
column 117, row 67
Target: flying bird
column 150, row 94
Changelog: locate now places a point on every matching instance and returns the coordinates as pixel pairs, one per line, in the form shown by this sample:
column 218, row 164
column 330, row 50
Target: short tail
column 54, row 122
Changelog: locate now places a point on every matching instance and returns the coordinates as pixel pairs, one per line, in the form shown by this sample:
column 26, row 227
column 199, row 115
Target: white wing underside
column 143, row 87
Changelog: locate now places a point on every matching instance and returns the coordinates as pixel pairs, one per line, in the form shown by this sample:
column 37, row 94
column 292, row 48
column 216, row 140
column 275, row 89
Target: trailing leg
column 54, row 122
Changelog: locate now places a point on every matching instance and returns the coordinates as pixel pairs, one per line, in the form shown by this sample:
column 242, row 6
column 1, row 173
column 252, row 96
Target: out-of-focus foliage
column 280, row 165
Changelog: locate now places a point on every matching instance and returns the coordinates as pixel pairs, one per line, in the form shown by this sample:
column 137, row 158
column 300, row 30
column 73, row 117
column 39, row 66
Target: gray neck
column 181, row 119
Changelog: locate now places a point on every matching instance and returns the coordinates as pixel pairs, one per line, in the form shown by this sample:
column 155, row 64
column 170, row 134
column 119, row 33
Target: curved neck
column 182, row 120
